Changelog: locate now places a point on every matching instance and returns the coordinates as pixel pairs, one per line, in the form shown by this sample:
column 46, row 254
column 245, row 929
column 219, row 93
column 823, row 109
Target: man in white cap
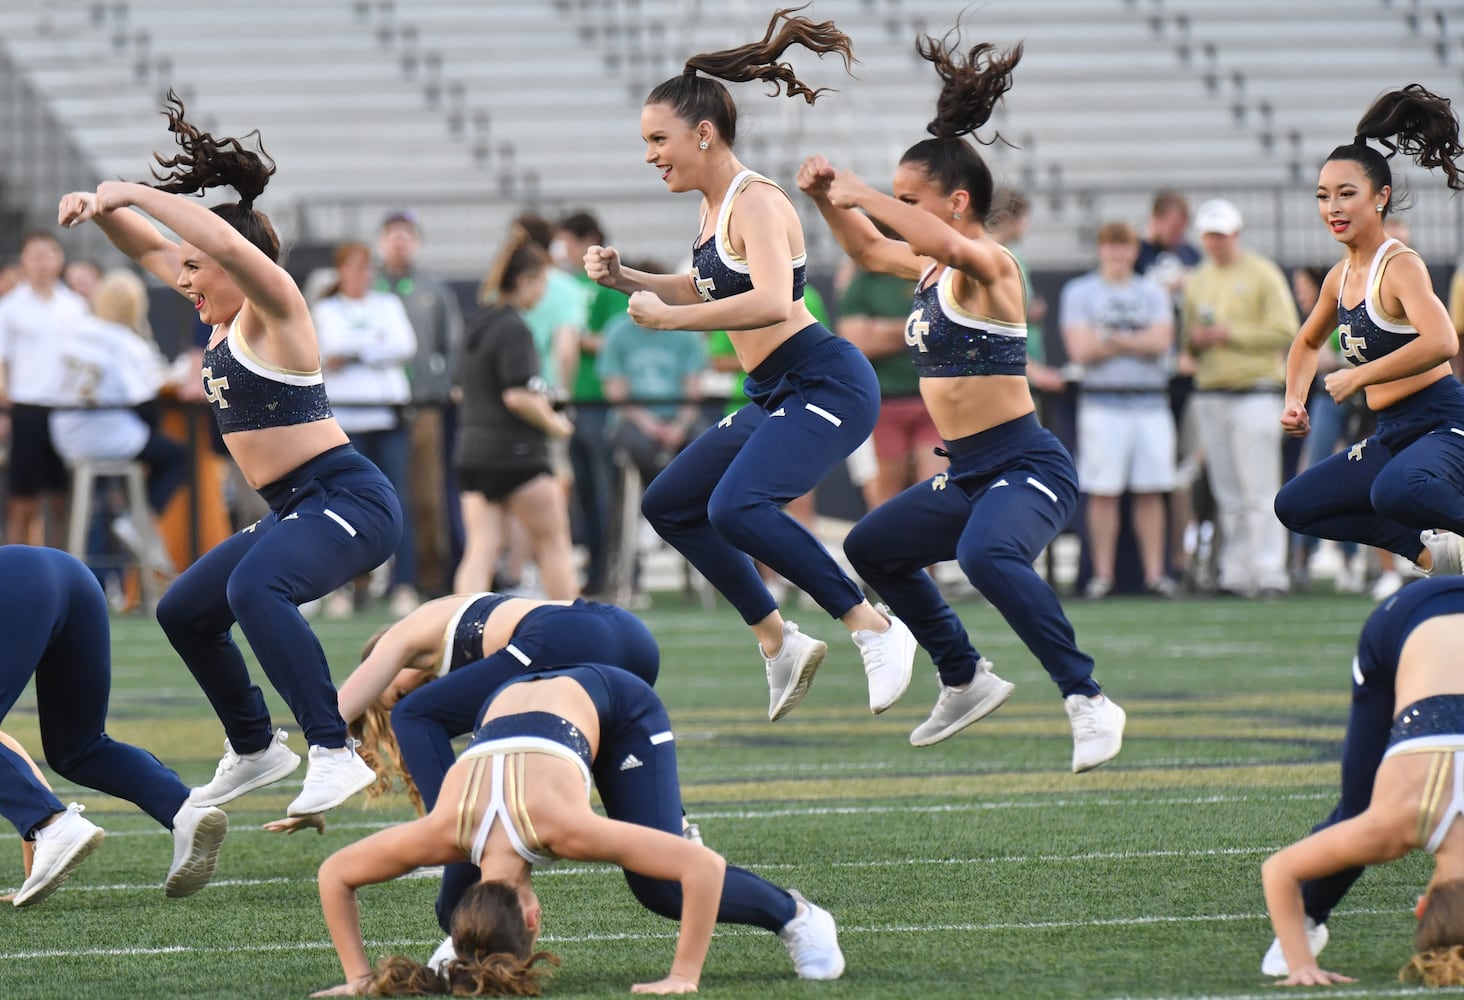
column 1238, row 321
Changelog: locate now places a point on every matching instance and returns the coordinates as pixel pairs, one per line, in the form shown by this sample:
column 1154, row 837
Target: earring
column 956, row 216
column 1380, row 208
column 704, row 145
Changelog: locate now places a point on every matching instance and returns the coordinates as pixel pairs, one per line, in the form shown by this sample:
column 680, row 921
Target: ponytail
column 1413, row 121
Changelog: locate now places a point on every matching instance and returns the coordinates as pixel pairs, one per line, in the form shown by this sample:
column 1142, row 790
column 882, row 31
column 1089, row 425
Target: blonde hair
column 378, row 743
column 120, row 297
column 1438, row 958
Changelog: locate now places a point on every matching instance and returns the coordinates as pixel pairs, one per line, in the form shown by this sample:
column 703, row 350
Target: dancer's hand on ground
column 358, row 987
column 671, row 984
column 293, row 824
column 1313, row 976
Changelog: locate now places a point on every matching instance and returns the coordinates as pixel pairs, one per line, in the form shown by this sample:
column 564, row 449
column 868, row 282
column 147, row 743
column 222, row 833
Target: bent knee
column 663, row 898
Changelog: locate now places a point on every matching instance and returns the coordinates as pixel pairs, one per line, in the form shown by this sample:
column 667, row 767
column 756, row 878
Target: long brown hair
column 378, row 745
column 520, row 257
column 1413, row 121
column 205, row 162
column 496, row 954
column 972, row 83
column 697, row 98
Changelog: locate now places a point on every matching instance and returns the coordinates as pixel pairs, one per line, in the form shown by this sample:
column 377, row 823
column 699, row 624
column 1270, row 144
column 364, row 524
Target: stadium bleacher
column 470, row 110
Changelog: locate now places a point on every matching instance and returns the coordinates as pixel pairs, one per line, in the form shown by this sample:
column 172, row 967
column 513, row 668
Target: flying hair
column 760, row 60
column 206, row 162
column 971, row 84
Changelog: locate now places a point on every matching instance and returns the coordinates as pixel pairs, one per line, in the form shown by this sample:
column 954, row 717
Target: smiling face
column 1348, row 202
column 213, row 293
column 672, row 146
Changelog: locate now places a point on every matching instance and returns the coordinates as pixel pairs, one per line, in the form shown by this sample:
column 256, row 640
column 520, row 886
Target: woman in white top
column 366, row 340
column 109, row 365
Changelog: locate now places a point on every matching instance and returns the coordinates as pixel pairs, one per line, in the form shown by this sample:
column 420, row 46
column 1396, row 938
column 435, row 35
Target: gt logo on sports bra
column 704, row 286
column 213, row 388
column 916, row 329
column 1352, row 347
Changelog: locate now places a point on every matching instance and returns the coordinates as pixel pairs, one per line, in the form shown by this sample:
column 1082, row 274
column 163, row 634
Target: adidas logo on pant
column 630, row 762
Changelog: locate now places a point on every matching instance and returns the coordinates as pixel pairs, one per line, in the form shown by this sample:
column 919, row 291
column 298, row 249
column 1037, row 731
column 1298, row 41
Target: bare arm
column 859, row 238
column 981, row 260
column 401, row 648
column 875, row 336
column 1302, row 358
column 1363, row 840
column 603, row 265
column 27, row 848
column 378, row 858
column 590, row 837
column 129, row 232
column 533, row 408
column 266, row 285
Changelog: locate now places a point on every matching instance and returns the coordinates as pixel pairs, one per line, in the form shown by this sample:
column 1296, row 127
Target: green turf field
column 977, row 868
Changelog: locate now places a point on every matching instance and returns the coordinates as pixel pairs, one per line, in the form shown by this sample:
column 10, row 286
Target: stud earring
column 1380, row 208
column 956, row 216
column 704, row 145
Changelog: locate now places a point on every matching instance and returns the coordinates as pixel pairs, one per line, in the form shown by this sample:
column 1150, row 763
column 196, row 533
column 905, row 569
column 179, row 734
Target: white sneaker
column 404, row 600
column 1274, row 964
column 1097, row 730
column 958, row 707
column 445, row 953
column 59, row 848
column 333, row 775
column 340, row 604
column 240, row 773
column 1447, row 550
column 691, row 831
column 812, row 941
column 889, row 661
column 1386, row 585
column 197, row 835
column 790, row 673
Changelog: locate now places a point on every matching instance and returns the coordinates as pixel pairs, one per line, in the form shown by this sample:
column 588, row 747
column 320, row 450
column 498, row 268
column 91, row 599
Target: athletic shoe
column 1097, row 730
column 1386, row 585
column 1098, row 588
column 812, row 941
column 958, row 707
column 889, row 661
column 197, row 835
column 1447, row 550
column 1274, row 964
column 445, row 953
column 240, row 773
column 333, row 775
column 60, row 847
column 1163, row 587
column 790, row 673
column 691, row 831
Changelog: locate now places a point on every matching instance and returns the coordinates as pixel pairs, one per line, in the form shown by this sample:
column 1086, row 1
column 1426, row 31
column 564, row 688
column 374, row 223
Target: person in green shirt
column 590, row 457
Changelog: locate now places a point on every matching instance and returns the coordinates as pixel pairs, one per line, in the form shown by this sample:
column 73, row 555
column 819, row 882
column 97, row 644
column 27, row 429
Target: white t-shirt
column 1134, row 304
column 375, row 332
column 31, row 328
column 106, row 366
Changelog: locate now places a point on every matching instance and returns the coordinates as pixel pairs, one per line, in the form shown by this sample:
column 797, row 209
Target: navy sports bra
column 945, row 341
column 1365, row 331
column 462, row 640
column 250, row 394
column 716, row 269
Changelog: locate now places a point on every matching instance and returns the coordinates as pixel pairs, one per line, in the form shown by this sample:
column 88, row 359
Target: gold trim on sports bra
column 1374, row 291
column 947, row 278
column 277, row 369
column 516, row 780
column 468, row 803
column 1433, row 792
column 723, row 233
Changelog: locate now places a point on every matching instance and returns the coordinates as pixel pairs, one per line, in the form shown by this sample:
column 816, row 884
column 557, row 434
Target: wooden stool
column 84, row 476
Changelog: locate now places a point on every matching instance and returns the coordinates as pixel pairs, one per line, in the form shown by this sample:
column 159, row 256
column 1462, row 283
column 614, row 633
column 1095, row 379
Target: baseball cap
column 1218, row 216
column 405, row 215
